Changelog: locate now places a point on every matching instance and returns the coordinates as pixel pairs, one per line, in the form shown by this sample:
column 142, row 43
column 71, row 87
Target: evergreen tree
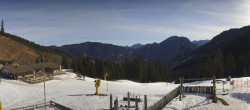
column 109, row 68
column 100, row 68
column 80, row 67
column 74, row 65
column 2, row 28
column 65, row 62
column 230, row 65
column 218, row 64
column 120, row 71
column 244, row 72
column 151, row 69
column 139, row 67
column 242, row 65
column 127, row 69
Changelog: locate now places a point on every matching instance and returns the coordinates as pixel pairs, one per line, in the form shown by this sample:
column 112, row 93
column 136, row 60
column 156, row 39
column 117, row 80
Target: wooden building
column 30, row 71
column 8, row 63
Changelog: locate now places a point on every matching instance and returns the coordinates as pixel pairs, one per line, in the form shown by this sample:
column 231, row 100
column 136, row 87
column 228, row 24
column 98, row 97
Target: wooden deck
column 37, row 80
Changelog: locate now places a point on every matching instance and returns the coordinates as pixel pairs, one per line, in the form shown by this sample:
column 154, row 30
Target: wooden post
column 50, row 103
column 214, row 90
column 111, row 102
column 200, row 91
column 128, row 100
column 183, row 90
column 214, row 85
column 233, row 86
column 247, row 84
column 136, row 103
column 211, row 90
column 241, row 85
column 116, row 104
column 207, row 90
column 145, row 102
column 180, row 89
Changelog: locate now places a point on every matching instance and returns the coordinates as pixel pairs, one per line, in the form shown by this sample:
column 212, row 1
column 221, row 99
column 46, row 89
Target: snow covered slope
column 69, row 91
column 238, row 97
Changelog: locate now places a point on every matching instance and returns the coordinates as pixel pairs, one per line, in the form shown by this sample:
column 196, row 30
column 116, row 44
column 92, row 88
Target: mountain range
column 166, row 51
column 172, row 50
column 176, row 51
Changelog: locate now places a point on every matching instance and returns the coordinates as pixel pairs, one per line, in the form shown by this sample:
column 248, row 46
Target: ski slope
column 69, row 91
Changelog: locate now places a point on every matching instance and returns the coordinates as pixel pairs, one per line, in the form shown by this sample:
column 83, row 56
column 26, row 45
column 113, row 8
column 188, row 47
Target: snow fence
column 159, row 105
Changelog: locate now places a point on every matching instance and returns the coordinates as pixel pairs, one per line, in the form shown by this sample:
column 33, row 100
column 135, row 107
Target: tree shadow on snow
column 242, row 96
column 88, row 95
column 77, row 95
column 202, row 103
column 170, row 108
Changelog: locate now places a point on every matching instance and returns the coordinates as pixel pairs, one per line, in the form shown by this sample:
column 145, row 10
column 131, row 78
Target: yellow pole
column 1, row 105
column 96, row 91
column 105, row 77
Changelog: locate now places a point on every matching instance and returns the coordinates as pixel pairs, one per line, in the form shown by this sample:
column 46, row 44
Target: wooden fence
column 198, row 89
column 50, row 104
column 159, row 105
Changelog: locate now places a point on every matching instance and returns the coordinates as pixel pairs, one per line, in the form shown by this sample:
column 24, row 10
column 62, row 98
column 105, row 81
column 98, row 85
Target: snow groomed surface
column 69, row 91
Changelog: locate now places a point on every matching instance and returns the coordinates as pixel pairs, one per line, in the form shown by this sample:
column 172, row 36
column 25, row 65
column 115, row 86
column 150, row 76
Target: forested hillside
column 133, row 69
column 227, row 54
column 98, row 50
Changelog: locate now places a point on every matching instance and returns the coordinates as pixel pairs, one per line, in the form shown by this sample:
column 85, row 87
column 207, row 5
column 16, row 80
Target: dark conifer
column 2, row 28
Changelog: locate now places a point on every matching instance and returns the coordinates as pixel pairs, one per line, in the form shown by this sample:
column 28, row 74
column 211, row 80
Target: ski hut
column 29, row 71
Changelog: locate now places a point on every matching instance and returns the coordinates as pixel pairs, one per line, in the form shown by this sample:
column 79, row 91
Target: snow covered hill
column 70, row 91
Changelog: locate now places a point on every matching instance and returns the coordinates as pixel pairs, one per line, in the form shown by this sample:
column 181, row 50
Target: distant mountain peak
column 168, row 50
column 137, row 46
column 200, row 42
column 175, row 39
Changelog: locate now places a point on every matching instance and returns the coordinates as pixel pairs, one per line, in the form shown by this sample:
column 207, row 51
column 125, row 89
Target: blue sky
column 120, row 22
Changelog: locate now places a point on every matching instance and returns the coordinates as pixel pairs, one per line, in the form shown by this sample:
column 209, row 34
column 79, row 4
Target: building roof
column 24, row 69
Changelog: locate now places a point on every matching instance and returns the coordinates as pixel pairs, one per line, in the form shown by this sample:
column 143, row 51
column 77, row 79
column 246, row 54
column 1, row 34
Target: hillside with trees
column 227, row 54
column 167, row 51
column 135, row 69
column 98, row 50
